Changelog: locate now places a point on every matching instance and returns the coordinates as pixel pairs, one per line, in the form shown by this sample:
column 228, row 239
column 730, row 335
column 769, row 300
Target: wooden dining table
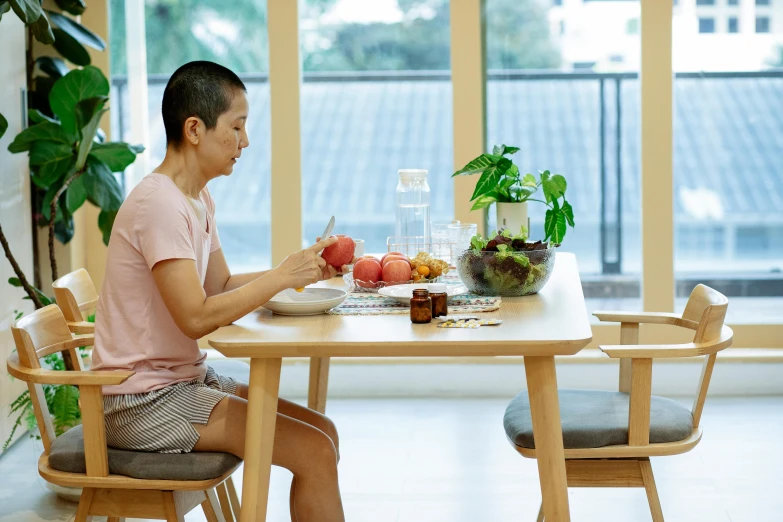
column 537, row 327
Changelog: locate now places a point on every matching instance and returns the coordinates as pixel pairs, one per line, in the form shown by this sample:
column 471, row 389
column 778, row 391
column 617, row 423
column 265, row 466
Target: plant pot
column 512, row 216
column 67, row 494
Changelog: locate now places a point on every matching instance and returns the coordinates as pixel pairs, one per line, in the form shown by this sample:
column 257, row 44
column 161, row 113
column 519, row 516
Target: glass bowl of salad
column 506, row 265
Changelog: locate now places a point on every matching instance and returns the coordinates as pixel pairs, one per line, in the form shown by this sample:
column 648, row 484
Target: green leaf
column 75, row 194
column 479, row 164
column 482, row 202
column 54, row 67
column 46, row 202
column 65, row 408
column 75, row 7
column 529, row 181
column 554, row 187
column 555, row 224
column 4, row 8
column 105, row 223
column 45, row 131
column 76, row 30
column 500, row 150
column 70, row 48
column 116, row 155
column 102, row 188
column 27, row 10
column 14, row 281
column 568, row 212
column 488, row 181
column 3, row 125
column 50, row 160
column 42, row 30
column 37, row 116
column 88, row 116
column 74, row 87
column 64, row 229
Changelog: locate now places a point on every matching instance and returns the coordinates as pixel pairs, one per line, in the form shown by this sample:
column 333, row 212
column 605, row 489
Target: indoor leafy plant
column 502, row 183
column 70, row 162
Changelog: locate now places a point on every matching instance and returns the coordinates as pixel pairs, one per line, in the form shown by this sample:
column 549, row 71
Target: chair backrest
column 707, row 307
column 44, row 332
column 37, row 335
column 75, row 295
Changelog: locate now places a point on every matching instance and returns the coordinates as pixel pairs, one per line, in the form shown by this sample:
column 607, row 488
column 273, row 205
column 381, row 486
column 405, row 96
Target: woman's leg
column 304, row 414
column 304, row 450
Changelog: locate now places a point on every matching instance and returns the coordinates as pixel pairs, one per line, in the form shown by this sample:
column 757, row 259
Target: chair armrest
column 646, row 317
column 654, row 351
column 81, row 327
column 76, row 378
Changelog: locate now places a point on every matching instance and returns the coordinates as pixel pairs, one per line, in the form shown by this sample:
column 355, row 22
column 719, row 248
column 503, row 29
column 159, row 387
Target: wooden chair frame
column 45, row 332
column 628, row 465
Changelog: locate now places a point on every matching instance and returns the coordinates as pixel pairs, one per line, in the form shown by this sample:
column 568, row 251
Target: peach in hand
column 340, row 253
column 397, row 271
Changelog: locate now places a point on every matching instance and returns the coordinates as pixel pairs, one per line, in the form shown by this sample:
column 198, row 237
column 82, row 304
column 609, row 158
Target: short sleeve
column 214, row 237
column 163, row 231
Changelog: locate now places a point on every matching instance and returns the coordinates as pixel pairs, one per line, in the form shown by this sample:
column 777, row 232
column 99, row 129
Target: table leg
column 548, row 436
column 319, row 384
column 263, row 389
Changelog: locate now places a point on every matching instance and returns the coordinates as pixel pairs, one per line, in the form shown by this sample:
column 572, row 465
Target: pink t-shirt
column 133, row 328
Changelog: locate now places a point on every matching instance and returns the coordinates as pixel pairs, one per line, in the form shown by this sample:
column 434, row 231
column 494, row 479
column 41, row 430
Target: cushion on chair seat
column 237, row 370
column 593, row 419
column 68, row 455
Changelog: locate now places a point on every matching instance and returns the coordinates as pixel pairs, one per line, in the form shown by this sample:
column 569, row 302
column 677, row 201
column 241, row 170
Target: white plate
column 403, row 293
column 311, row 301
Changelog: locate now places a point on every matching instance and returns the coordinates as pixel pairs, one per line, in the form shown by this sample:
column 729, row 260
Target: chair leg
column 170, row 508
column 82, row 512
column 211, row 507
column 232, row 495
column 652, row 491
column 540, row 517
column 225, row 503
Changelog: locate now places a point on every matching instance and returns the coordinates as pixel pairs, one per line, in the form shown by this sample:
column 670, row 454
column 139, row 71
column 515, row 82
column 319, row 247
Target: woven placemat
column 358, row 303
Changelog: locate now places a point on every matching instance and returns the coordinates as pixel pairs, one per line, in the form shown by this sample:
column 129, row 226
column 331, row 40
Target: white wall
column 14, row 201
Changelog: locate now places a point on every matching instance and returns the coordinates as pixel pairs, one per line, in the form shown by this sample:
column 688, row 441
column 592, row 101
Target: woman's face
column 221, row 147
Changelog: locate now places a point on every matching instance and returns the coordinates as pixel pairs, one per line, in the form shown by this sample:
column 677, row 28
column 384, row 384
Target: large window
column 728, row 172
column 571, row 103
column 376, row 98
column 232, row 34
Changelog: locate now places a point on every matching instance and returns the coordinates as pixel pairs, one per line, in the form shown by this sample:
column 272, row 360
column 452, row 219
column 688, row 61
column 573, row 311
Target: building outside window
column 733, row 2
column 733, row 24
column 705, row 2
column 762, row 24
column 707, row 25
column 762, row 2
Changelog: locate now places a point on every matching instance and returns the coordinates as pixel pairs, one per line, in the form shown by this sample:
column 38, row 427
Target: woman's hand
column 306, row 267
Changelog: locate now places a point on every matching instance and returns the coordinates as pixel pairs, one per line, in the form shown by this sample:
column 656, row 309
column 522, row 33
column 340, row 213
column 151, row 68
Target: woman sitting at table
column 167, row 284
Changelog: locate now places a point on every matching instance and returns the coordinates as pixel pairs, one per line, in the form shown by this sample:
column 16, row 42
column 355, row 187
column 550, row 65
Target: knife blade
column 327, row 233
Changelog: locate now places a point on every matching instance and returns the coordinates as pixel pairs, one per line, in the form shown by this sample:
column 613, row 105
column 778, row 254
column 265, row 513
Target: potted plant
column 502, row 183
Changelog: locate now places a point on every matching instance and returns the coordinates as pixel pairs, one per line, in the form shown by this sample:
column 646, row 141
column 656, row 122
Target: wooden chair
column 601, row 449
column 76, row 296
column 116, row 483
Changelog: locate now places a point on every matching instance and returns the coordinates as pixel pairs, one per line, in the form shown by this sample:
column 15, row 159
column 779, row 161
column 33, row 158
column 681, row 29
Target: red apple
column 391, row 254
column 391, row 258
column 367, row 273
column 397, row 271
column 340, row 253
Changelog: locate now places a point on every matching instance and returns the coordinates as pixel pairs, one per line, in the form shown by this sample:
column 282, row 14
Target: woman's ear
column 194, row 129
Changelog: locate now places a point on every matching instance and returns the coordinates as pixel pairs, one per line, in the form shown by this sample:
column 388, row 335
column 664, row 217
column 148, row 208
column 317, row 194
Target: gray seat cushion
column 68, row 455
column 238, row 370
column 593, row 419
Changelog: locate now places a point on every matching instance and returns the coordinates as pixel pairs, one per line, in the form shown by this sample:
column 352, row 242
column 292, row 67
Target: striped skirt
column 162, row 420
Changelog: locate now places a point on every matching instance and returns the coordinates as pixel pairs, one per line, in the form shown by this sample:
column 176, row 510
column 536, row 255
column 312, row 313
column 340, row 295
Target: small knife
column 327, row 233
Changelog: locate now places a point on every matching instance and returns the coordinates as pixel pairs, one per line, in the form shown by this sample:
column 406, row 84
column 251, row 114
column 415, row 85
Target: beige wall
column 14, row 202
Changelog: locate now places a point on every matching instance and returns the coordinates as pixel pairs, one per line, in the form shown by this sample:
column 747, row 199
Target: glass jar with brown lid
column 439, row 298
column 421, row 306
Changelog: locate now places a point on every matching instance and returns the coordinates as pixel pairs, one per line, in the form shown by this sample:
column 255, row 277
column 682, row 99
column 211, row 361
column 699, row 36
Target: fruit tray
column 372, row 288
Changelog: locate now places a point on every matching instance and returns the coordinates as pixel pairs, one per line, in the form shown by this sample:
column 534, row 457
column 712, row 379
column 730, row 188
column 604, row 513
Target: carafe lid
column 409, row 174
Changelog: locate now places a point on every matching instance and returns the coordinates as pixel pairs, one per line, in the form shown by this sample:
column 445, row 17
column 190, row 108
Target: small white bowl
column 310, row 301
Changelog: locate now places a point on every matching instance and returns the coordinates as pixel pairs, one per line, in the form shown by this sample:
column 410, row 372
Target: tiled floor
column 437, row 460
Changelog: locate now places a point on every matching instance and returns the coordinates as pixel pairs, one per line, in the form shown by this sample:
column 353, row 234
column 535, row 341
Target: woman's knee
column 320, row 456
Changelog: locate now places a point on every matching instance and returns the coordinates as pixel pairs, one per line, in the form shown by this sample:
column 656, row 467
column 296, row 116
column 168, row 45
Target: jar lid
column 437, row 288
column 407, row 174
column 420, row 292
